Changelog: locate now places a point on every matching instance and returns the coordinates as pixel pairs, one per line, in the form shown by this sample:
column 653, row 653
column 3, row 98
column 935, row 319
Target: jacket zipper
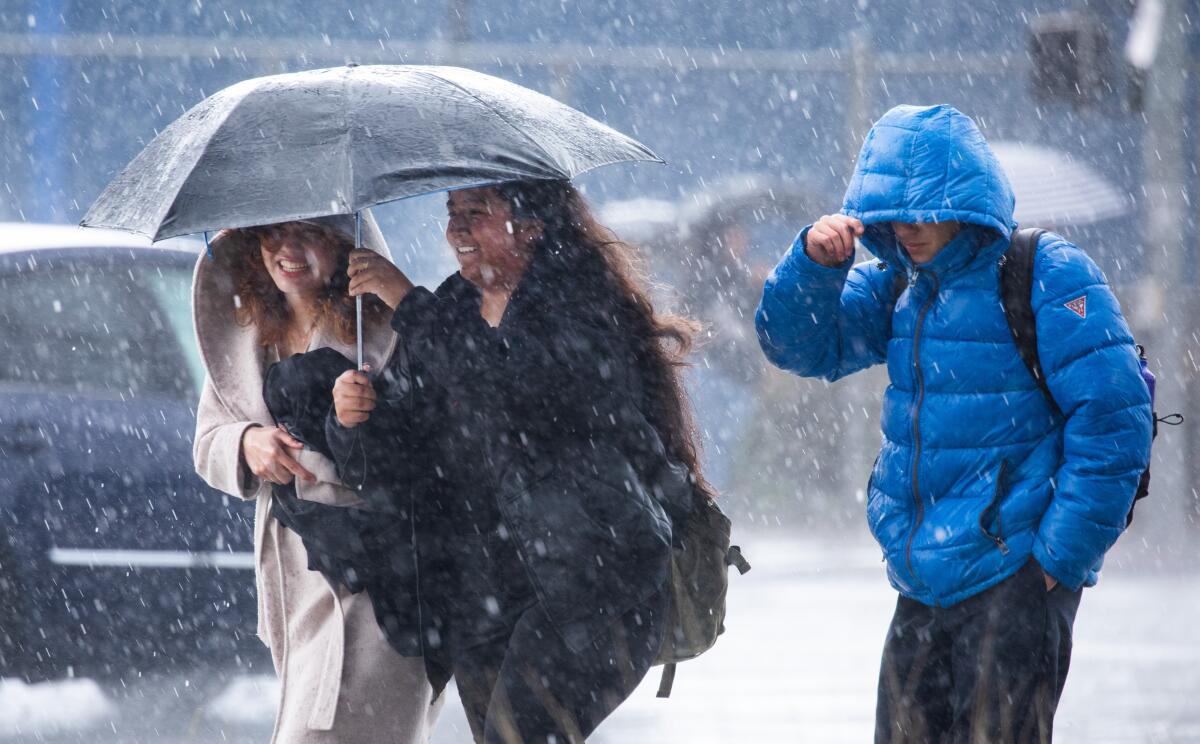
column 920, row 379
column 1001, row 490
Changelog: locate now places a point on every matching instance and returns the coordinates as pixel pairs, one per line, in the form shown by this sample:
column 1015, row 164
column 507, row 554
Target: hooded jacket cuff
column 1058, row 569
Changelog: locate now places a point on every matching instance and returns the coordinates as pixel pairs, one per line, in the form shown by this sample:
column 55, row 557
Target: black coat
column 534, row 431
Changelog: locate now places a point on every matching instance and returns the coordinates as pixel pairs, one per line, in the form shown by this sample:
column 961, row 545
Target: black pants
column 529, row 688
column 989, row 669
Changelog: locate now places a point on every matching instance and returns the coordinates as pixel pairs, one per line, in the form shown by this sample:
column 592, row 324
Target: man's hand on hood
column 830, row 241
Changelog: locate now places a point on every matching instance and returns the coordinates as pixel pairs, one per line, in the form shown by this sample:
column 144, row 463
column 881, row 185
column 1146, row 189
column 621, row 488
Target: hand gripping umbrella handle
column 358, row 302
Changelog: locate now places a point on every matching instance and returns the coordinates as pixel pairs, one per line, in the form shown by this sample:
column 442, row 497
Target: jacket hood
column 927, row 164
column 230, row 351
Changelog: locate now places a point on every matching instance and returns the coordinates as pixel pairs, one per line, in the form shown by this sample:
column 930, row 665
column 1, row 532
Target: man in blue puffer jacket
column 992, row 509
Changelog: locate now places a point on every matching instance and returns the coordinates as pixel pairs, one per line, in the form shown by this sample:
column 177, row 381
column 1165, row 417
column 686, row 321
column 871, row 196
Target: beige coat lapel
column 231, row 353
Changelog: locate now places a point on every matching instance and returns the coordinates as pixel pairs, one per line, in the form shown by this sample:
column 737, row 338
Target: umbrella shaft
column 358, row 334
column 358, row 328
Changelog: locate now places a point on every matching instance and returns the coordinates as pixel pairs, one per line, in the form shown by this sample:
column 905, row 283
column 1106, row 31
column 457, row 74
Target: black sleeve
column 360, row 452
column 388, row 451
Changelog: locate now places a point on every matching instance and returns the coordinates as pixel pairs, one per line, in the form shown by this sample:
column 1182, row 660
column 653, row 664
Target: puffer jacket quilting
column 976, row 472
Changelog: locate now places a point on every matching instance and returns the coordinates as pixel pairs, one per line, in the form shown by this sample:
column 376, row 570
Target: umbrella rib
column 487, row 106
column 229, row 111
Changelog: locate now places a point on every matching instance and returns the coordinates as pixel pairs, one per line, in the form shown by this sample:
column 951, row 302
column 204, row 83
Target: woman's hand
column 353, row 398
column 371, row 273
column 271, row 455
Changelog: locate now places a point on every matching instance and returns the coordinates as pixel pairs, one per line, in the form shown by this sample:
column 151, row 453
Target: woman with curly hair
column 266, row 294
column 516, row 426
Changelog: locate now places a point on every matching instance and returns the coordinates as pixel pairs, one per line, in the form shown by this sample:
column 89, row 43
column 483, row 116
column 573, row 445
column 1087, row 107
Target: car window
column 97, row 326
column 172, row 290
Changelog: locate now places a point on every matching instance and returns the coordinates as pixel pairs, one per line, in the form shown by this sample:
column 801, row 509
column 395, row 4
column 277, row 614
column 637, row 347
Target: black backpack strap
column 734, row 557
column 899, row 282
column 667, row 681
column 1016, row 296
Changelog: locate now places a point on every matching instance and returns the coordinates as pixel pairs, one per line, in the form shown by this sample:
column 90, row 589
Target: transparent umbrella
column 1053, row 189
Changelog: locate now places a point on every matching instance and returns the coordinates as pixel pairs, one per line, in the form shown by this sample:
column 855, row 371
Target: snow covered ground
column 68, row 706
column 798, row 664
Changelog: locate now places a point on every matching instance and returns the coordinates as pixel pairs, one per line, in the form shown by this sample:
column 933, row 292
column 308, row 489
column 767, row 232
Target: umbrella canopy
column 1054, row 190
column 339, row 140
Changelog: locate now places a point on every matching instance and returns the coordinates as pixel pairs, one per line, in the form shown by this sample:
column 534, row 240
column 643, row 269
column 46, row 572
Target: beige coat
column 340, row 681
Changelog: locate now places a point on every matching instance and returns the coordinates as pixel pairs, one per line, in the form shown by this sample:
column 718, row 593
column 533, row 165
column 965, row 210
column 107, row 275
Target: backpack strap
column 1016, row 296
column 668, row 680
column 897, row 285
column 899, row 282
column 734, row 557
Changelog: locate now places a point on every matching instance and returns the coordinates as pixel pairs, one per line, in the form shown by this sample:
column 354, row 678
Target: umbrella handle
column 359, row 332
column 358, row 302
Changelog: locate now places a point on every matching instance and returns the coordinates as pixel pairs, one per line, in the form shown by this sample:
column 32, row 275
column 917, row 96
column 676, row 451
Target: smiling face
column 299, row 256
column 493, row 249
column 924, row 240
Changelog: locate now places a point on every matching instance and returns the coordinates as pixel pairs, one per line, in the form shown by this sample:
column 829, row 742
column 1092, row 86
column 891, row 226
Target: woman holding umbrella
column 513, row 424
column 265, row 294
column 528, row 381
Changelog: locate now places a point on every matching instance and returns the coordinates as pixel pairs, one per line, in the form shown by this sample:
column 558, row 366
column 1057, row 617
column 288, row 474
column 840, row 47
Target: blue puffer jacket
column 976, row 472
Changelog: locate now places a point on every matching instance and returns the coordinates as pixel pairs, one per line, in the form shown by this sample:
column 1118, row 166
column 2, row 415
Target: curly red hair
column 259, row 302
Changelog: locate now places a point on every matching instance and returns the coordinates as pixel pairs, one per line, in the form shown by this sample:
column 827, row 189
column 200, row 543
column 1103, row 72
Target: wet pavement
column 798, row 664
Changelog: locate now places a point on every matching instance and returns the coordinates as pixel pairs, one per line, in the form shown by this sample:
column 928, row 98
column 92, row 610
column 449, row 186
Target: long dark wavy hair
column 612, row 272
column 260, row 303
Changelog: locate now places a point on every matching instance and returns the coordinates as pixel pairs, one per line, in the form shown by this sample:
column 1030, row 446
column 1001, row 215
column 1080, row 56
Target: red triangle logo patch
column 1078, row 306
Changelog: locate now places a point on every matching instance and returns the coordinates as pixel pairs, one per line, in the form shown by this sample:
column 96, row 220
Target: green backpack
column 700, row 559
